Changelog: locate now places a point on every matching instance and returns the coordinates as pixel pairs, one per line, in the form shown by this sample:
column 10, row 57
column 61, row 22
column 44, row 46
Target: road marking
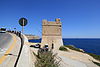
column 8, row 51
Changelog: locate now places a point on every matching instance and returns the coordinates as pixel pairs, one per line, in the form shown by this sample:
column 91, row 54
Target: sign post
column 23, row 22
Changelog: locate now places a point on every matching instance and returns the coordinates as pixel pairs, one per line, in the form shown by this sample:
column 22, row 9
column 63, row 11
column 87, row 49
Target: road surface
column 9, row 49
column 4, row 39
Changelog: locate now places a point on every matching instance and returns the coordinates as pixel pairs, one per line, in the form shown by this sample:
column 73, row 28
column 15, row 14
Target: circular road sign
column 23, row 21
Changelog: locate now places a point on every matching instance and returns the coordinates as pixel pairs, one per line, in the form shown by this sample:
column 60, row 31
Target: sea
column 89, row 45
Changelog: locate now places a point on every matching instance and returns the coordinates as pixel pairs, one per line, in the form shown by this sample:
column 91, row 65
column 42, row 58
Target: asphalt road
column 12, row 44
column 9, row 49
column 5, row 39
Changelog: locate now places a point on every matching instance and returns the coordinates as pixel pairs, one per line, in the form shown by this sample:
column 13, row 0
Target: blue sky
column 80, row 18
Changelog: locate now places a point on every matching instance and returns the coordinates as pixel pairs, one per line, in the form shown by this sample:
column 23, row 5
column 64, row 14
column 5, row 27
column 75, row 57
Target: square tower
column 52, row 34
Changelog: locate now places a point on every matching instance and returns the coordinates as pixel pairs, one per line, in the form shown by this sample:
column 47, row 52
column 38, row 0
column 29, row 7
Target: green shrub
column 63, row 48
column 46, row 59
column 96, row 63
column 97, row 57
column 73, row 48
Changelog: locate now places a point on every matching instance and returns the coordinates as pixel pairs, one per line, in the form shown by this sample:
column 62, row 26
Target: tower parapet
column 57, row 20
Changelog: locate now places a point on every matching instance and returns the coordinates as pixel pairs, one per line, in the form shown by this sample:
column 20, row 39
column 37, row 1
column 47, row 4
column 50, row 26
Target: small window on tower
column 60, row 26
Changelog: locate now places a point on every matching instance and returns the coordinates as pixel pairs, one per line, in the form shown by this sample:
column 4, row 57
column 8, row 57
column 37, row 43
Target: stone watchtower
column 52, row 34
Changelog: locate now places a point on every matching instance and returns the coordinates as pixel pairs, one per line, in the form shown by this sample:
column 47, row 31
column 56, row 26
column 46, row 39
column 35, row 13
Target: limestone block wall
column 56, row 40
column 52, row 33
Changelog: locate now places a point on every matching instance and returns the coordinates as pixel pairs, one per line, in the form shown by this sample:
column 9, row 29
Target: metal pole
column 23, row 27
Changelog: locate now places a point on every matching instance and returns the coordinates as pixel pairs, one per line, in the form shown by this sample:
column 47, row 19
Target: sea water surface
column 90, row 45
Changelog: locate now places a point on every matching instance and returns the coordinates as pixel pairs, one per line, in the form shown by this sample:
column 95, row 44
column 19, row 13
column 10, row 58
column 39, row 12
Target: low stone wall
column 25, row 59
